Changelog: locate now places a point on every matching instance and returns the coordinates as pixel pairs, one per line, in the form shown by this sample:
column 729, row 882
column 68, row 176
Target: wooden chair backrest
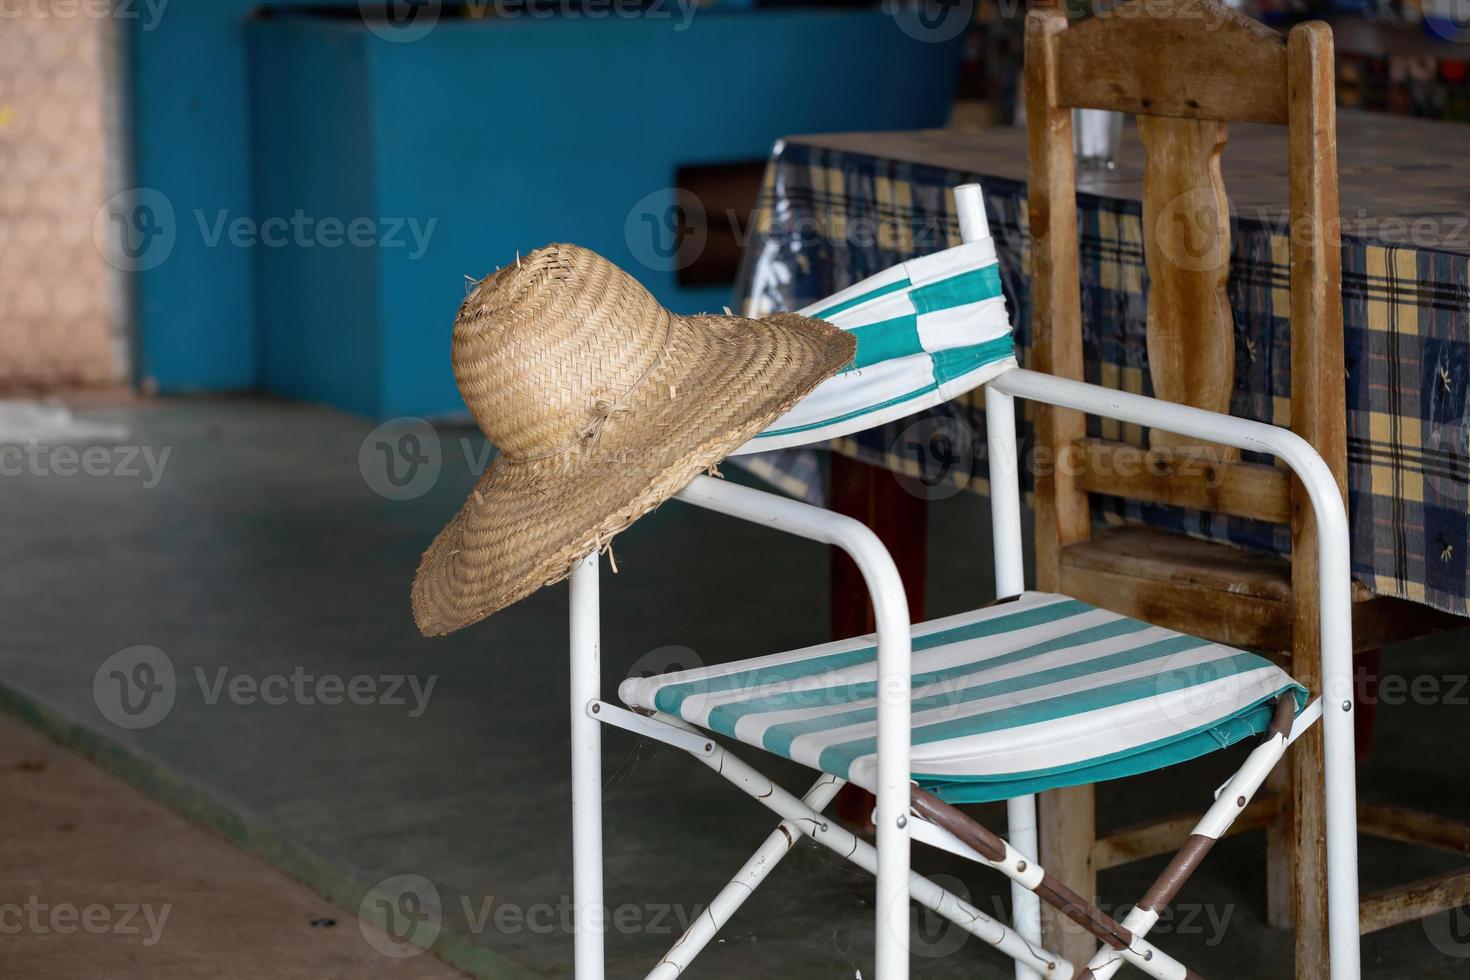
column 1186, row 68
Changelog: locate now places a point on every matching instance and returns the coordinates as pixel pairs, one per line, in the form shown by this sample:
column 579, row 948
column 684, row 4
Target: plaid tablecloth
column 830, row 215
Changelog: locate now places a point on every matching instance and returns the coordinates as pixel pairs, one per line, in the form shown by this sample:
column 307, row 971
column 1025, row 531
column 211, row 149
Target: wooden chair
column 1187, row 68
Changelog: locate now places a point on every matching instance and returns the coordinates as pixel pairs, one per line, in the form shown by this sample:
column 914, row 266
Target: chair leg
column 743, row 885
column 1280, row 872
column 1025, row 906
column 1022, row 869
column 586, row 682
column 841, row 841
column 1068, row 829
column 1306, row 820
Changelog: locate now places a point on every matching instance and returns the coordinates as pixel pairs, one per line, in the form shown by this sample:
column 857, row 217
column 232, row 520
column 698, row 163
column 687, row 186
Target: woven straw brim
column 719, row 382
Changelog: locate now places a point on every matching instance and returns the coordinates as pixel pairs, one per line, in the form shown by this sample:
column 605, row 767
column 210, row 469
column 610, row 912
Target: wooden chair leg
column 1307, row 833
column 1067, row 819
column 1367, row 668
column 1280, row 898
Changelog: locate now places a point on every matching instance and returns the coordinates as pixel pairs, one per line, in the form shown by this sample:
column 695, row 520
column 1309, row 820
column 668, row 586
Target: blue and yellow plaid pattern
column 829, row 218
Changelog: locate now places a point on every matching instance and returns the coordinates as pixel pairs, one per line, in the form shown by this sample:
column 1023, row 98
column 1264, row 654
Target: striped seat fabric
column 927, row 330
column 1030, row 694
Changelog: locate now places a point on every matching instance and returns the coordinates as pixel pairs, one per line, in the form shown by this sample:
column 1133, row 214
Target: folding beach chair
column 1032, row 692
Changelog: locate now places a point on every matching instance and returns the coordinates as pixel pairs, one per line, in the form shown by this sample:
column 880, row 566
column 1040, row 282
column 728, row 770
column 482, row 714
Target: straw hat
column 603, row 405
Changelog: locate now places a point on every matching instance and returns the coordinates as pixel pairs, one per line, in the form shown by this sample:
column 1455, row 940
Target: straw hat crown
column 603, row 405
column 549, row 347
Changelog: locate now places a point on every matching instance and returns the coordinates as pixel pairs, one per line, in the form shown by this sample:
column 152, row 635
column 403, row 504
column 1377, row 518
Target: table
column 836, row 208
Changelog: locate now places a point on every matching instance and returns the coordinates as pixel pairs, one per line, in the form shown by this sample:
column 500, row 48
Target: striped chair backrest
column 928, row 330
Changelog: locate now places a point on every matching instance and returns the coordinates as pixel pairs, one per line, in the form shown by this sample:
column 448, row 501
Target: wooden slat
column 1255, row 490
column 1194, row 587
column 1160, row 556
column 1062, row 514
column 1165, row 836
column 1065, row 816
column 1186, row 245
column 1280, row 861
column 1405, row 903
column 1195, row 59
column 1241, row 621
column 1414, row 827
column 1318, row 415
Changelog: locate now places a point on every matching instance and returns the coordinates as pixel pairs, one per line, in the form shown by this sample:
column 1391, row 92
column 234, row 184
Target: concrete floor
column 101, row 881
column 263, row 552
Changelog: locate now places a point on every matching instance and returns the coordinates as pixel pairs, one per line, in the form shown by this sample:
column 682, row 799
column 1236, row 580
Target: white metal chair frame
column 903, row 811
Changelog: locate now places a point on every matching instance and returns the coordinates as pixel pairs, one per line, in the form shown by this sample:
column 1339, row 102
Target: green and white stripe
column 1031, row 694
column 927, row 330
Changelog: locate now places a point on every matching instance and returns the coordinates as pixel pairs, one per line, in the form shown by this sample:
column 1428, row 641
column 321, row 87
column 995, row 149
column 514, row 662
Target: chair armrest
column 1197, row 423
column 894, row 667
column 1334, row 583
column 890, row 603
column 1334, row 570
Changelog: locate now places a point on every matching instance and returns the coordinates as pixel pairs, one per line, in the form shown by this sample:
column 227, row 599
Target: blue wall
column 317, row 308
column 504, row 135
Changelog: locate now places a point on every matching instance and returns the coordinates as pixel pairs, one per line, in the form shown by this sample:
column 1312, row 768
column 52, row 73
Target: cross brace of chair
column 1123, row 942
